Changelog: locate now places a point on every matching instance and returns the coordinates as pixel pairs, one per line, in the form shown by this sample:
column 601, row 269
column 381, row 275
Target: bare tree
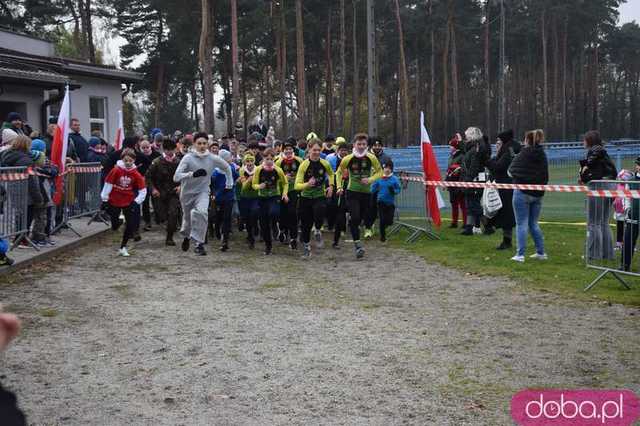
column 355, row 99
column 206, row 64
column 235, row 85
column 302, row 101
column 343, row 67
column 329, row 116
column 404, row 85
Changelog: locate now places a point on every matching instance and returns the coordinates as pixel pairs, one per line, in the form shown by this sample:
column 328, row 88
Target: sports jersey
column 126, row 183
column 246, row 188
column 321, row 171
column 275, row 180
column 290, row 169
column 367, row 166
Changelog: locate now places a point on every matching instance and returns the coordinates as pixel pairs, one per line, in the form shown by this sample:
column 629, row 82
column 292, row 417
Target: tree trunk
column 158, row 93
column 343, row 68
column 283, row 70
column 563, row 94
column 432, row 70
column 355, row 99
column 91, row 49
column 545, row 83
column 454, row 69
column 329, row 116
column 206, row 64
column 445, row 82
column 235, row 68
column 487, row 73
column 303, row 119
column 404, row 86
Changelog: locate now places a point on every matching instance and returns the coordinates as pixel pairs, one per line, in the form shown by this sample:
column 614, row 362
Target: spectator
column 632, row 222
column 19, row 155
column 529, row 167
column 475, row 159
column 97, row 150
column 80, row 143
column 8, row 136
column 454, row 174
column 48, row 140
column 111, row 159
column 4, row 244
column 40, row 215
column 16, row 126
column 98, row 134
column 597, row 165
column 259, row 127
column 506, row 150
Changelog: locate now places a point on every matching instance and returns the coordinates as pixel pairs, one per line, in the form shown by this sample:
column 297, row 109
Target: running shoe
column 225, row 246
column 319, row 240
column 335, row 246
column 368, row 233
column 282, row 237
column 6, row 261
column 293, row 244
column 137, row 237
column 24, row 245
column 477, row 230
column 185, row 244
column 267, row 251
column 517, row 258
column 123, row 252
column 40, row 243
column 306, row 254
column 538, row 256
column 170, row 243
column 50, row 242
column 147, row 227
column 199, row 250
column 359, row 250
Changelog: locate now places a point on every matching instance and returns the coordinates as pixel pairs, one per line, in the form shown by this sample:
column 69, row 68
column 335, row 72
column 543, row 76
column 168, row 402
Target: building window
column 98, row 115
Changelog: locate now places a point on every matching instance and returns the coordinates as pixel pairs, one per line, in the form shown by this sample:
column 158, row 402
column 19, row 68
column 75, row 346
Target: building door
column 19, row 107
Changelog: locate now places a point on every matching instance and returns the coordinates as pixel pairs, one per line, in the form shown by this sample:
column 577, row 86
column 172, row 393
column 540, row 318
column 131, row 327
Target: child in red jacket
column 124, row 191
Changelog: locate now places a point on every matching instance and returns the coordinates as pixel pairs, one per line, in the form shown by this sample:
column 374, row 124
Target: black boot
column 505, row 244
column 468, row 230
column 225, row 246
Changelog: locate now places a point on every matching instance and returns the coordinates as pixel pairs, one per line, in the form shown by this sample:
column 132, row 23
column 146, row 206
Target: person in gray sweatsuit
column 194, row 175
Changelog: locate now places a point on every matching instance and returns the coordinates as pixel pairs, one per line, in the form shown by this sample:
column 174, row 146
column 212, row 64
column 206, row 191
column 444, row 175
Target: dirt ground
column 168, row 338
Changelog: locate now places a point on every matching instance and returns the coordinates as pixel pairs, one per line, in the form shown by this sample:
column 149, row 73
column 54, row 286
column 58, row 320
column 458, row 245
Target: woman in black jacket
column 476, row 155
column 531, row 167
column 506, row 150
column 597, row 165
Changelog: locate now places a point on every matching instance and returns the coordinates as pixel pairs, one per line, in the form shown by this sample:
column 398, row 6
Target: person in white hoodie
column 194, row 175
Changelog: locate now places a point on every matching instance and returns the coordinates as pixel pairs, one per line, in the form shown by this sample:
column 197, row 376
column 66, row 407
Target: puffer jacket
column 531, row 167
column 597, row 165
column 14, row 158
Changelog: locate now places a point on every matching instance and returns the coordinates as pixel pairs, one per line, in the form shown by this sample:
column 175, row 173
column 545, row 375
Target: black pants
column 358, row 204
column 312, row 212
column 332, row 211
column 373, row 211
column 131, row 219
column 10, row 413
column 341, row 218
column 629, row 245
column 269, row 213
column 224, row 209
column 386, row 212
column 289, row 215
column 146, row 209
column 168, row 209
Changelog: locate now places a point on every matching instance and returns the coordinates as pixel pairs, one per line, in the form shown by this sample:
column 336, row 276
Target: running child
column 119, row 194
column 290, row 164
column 363, row 169
column 315, row 182
column 386, row 189
column 224, row 199
column 272, row 186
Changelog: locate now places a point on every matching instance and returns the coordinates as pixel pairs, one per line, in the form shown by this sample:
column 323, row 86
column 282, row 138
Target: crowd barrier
column 411, row 208
column 14, row 204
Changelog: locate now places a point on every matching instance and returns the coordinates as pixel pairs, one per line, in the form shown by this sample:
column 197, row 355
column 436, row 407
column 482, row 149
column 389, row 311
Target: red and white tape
column 597, row 193
column 16, row 176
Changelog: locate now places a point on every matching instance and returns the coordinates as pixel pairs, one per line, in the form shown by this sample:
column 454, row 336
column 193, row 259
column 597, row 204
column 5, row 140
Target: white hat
column 8, row 136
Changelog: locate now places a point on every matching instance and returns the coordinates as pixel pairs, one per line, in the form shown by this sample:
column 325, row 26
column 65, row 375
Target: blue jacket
column 386, row 188
column 218, row 184
column 81, row 145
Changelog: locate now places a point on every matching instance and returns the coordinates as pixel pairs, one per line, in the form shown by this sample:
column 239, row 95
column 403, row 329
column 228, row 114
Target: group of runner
column 281, row 192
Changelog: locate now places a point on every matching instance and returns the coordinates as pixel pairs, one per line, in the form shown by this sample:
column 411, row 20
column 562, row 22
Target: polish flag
column 117, row 144
column 59, row 147
column 431, row 172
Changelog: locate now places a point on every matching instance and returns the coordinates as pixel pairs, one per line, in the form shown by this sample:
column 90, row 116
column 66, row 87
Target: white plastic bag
column 491, row 202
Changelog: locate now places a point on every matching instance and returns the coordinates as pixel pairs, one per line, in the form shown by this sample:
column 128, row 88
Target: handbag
column 491, row 202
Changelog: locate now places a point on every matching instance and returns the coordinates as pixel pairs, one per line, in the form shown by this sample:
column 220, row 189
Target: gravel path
column 165, row 338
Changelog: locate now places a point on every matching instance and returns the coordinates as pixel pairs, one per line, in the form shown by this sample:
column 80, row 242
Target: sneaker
column 252, row 244
column 539, row 256
column 306, row 253
column 383, row 239
column 504, row 245
column 268, row 251
column 24, row 245
column 467, row 231
column 123, row 252
column 477, row 230
column 147, row 227
column 489, row 230
column 335, row 246
column 137, row 238
column 199, row 250
column 170, row 243
column 281, row 237
column 225, row 246
column 318, row 238
column 517, row 258
column 185, row 244
column 50, row 242
column 359, row 250
column 40, row 243
column 618, row 246
column 6, row 261
column 293, row 244
column 368, row 233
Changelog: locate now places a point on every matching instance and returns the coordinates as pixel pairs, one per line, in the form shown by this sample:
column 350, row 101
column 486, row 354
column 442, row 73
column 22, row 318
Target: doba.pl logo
column 575, row 407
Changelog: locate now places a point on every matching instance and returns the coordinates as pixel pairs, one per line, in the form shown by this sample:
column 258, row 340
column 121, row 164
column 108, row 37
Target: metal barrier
column 82, row 186
column 606, row 251
column 411, row 208
column 14, row 211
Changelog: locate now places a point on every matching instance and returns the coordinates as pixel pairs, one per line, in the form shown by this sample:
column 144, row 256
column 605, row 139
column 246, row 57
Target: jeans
column 527, row 211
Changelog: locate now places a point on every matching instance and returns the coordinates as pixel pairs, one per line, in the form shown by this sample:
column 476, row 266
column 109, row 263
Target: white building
column 32, row 81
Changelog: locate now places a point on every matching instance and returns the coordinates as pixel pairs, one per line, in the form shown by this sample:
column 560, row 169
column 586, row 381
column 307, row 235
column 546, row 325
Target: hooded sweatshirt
column 191, row 162
column 386, row 188
column 122, row 185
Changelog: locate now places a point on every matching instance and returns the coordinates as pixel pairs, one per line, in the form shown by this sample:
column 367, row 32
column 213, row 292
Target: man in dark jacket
column 506, row 150
column 80, row 143
column 111, row 159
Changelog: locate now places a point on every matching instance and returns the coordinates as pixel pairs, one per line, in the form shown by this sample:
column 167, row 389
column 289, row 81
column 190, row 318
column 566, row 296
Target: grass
column 48, row 312
column 564, row 273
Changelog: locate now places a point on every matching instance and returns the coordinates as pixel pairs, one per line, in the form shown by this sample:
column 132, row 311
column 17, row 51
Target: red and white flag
column 431, row 172
column 117, row 144
column 59, row 147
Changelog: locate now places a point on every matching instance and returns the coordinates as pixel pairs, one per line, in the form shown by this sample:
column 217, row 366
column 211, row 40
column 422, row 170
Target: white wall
column 92, row 87
column 32, row 96
column 26, row 44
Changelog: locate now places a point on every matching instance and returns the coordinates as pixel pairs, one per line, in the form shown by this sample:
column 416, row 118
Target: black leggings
column 312, row 211
column 131, row 219
column 386, row 212
column 289, row 215
column 269, row 213
column 224, row 209
column 358, row 204
column 341, row 218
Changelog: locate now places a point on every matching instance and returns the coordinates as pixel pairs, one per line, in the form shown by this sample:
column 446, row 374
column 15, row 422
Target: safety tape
column 10, row 177
column 595, row 193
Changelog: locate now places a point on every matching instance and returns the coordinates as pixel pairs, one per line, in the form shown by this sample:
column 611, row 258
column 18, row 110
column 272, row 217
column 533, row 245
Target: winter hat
column 340, row 141
column 329, row 138
column 311, row 136
column 37, row 157
column 249, row 157
column 289, row 143
column 155, row 131
column 130, row 142
column 93, row 142
column 506, row 136
column 225, row 155
column 8, row 136
column 38, row 145
column 13, row 116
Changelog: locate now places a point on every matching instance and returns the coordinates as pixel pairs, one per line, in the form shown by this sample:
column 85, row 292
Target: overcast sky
column 630, row 11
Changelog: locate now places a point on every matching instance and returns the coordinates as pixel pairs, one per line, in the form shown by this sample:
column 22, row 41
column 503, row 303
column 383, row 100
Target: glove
column 199, row 173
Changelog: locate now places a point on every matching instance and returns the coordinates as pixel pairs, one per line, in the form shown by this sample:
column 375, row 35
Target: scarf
column 358, row 155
